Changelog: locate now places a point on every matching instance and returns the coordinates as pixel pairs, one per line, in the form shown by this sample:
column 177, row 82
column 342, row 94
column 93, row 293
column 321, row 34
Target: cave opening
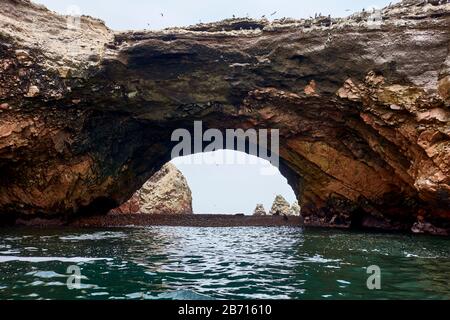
column 221, row 182
column 232, row 182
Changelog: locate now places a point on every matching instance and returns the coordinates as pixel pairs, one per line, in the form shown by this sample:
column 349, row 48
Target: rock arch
column 363, row 112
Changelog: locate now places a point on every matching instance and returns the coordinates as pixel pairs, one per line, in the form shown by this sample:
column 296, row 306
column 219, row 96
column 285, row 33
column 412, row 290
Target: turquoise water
column 220, row 263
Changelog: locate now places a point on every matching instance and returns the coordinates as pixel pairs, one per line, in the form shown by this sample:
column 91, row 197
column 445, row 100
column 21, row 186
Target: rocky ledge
column 362, row 105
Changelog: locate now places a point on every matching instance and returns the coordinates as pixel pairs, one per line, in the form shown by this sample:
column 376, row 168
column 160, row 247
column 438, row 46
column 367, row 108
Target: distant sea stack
column 166, row 192
column 259, row 210
column 280, row 206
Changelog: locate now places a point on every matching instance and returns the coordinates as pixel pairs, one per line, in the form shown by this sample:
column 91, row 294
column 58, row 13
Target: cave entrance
column 226, row 171
column 232, row 182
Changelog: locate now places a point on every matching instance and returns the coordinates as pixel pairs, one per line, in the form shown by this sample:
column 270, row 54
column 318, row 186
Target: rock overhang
column 362, row 111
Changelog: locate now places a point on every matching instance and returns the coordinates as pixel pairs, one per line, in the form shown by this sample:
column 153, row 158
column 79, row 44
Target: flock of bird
column 316, row 15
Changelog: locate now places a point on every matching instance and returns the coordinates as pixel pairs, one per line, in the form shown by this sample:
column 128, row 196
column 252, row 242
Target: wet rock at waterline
column 166, row 192
column 259, row 210
column 422, row 226
column 362, row 109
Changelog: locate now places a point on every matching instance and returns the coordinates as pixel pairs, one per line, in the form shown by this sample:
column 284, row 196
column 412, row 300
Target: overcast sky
column 146, row 14
column 222, row 187
column 217, row 188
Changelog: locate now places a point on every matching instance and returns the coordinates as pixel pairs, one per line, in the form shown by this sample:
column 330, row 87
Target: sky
column 217, row 188
column 158, row 14
column 231, row 187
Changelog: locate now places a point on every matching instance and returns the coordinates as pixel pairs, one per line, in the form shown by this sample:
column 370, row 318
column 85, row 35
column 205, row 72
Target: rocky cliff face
column 362, row 106
column 166, row 192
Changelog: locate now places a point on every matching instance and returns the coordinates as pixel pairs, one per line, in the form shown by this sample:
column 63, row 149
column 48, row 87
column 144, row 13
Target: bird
column 263, row 16
column 234, row 16
column 162, row 14
column 273, row 13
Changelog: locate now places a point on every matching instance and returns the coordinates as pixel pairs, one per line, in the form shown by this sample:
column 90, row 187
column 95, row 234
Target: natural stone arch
column 362, row 112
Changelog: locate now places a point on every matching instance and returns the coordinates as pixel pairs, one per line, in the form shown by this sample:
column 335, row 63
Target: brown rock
column 32, row 91
column 310, row 89
column 376, row 139
column 444, row 88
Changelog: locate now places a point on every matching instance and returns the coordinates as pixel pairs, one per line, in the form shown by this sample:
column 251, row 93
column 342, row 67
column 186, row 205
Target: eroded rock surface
column 166, row 192
column 86, row 114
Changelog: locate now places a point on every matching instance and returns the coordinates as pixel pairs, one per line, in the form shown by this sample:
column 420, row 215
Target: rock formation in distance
column 166, row 192
column 280, row 207
column 259, row 210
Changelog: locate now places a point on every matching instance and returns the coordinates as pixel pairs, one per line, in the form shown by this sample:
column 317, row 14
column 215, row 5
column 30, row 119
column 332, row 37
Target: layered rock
column 280, row 207
column 166, row 192
column 259, row 210
column 362, row 108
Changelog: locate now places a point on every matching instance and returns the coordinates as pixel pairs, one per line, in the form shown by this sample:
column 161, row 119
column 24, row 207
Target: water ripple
column 220, row 263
